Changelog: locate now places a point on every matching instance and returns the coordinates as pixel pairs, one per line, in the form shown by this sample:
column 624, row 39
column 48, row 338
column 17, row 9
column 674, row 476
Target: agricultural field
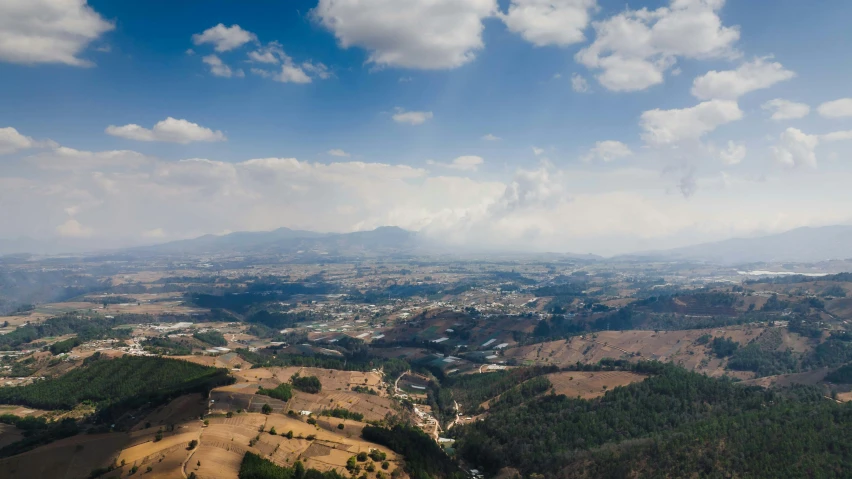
column 589, row 385
column 676, row 346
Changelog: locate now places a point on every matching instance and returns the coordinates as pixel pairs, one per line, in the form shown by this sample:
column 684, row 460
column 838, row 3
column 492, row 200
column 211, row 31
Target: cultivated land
column 589, row 385
column 676, row 346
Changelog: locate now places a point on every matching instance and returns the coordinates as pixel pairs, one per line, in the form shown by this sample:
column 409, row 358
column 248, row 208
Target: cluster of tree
column 471, row 390
column 693, row 302
column 808, row 329
column 774, row 304
column 308, row 384
column 214, row 338
column 280, row 319
column 116, row 385
column 256, row 467
column 36, row 432
column 522, row 393
column 166, row 347
column 830, row 353
column 792, row 438
column 85, row 327
column 258, row 293
column 342, row 414
column 112, row 299
column 538, row 435
column 265, row 358
column 841, row 375
column 283, row 392
column 723, row 347
column 65, row 346
column 424, row 459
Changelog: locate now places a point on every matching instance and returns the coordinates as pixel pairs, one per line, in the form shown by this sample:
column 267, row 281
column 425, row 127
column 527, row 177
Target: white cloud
column 490, row 137
column 796, row 148
column 635, row 47
column 12, row 141
column 338, row 152
column 220, row 69
column 426, row 34
column 837, row 136
column 579, row 83
column 48, row 31
column 73, row 229
column 732, row 84
column 672, row 126
column 786, row 110
column 537, row 151
column 169, row 130
column 291, row 73
column 411, row 117
column 841, row 108
column 607, row 151
column 224, row 38
column 734, row 154
column 69, row 159
column 549, row 22
column 462, row 163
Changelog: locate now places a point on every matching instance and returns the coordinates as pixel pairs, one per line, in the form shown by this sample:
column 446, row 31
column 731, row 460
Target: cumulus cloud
column 219, row 68
column 48, row 31
column 462, row 163
column 549, row 22
column 224, row 38
column 579, row 83
column 70, row 159
column 841, row 108
column 411, row 117
column 537, row 151
column 734, row 154
column 663, row 127
column 786, row 110
column 634, row 48
column 796, row 148
column 289, row 71
column 170, row 130
column 490, row 137
column 732, row 84
column 338, row 152
column 424, row 34
column 837, row 136
column 607, row 151
column 12, row 141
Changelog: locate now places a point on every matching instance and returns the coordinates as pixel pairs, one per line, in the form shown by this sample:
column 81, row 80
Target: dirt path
column 186, row 461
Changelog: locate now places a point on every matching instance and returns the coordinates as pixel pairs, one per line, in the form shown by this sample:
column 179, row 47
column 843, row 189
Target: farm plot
column 588, row 385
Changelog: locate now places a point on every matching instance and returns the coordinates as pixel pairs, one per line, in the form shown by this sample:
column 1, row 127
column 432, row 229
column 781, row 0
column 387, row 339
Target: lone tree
column 266, row 409
column 192, row 444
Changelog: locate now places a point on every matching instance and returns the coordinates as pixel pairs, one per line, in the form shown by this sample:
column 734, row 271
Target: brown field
column 336, row 392
column 675, row 346
column 810, row 378
column 164, row 307
column 588, row 385
column 221, row 447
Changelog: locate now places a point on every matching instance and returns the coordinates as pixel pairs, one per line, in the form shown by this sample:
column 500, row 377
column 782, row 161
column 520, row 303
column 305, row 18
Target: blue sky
column 613, row 127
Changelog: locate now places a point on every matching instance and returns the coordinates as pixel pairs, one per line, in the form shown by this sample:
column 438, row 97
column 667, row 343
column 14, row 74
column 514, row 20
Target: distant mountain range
column 383, row 240
column 801, row 245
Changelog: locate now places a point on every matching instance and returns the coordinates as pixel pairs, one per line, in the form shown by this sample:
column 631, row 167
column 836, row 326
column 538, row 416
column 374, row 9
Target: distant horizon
column 578, row 126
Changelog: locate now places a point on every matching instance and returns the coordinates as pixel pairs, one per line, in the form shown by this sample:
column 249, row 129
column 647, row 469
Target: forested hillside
column 113, row 385
column 664, row 425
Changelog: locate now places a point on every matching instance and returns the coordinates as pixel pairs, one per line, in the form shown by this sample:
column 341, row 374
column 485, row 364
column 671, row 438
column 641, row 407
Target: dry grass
column 588, row 385
column 675, row 346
